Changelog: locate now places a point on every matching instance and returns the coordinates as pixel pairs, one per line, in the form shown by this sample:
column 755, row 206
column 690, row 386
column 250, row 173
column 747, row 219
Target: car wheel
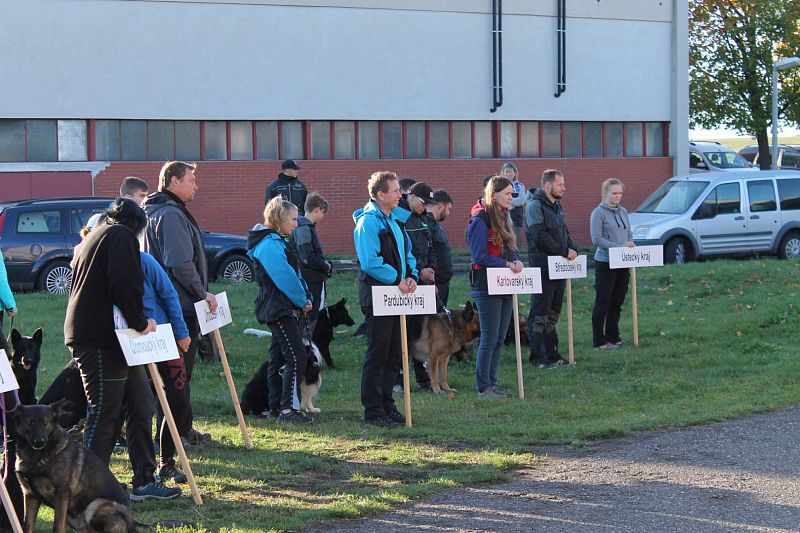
column 236, row 269
column 790, row 246
column 56, row 278
column 677, row 250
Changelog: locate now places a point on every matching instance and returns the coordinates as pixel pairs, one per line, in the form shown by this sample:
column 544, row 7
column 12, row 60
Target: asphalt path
column 737, row 475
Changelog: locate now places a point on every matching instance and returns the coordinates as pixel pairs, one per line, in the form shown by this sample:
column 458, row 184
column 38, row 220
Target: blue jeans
column 495, row 315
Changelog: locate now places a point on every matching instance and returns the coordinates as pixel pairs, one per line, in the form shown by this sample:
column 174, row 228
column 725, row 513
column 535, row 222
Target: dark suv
column 37, row 238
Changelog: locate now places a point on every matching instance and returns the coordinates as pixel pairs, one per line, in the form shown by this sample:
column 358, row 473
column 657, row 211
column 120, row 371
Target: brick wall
column 231, row 193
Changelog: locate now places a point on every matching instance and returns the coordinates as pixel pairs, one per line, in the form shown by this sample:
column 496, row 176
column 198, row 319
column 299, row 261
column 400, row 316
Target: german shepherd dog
column 27, row 352
column 441, row 337
column 255, row 396
column 56, row 470
column 329, row 317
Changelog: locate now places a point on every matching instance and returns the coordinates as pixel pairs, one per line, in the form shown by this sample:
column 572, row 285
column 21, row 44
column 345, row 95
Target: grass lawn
column 717, row 339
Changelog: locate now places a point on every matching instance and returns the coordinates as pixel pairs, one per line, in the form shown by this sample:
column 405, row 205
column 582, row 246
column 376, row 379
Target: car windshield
column 726, row 160
column 673, row 197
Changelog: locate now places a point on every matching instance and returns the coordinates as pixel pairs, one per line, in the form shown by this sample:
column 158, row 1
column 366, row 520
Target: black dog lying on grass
column 55, row 470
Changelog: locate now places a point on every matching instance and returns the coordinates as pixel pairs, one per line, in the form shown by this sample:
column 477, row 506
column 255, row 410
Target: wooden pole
column 518, row 345
column 406, row 377
column 232, row 388
column 173, row 430
column 569, row 323
column 9, row 505
column 635, row 308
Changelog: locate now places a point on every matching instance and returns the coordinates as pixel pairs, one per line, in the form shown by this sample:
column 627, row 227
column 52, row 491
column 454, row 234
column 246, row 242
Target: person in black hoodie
column 289, row 186
column 108, row 272
column 547, row 235
column 437, row 214
column 314, row 267
column 282, row 296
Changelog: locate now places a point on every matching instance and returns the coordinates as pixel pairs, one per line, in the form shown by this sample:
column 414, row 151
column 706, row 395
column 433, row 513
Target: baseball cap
column 424, row 192
column 290, row 164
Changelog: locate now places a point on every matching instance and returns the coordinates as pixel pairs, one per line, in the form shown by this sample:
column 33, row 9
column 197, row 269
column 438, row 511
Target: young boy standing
column 314, row 267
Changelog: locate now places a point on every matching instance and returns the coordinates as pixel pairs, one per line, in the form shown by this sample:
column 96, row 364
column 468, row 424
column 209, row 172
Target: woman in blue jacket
column 282, row 295
column 7, row 304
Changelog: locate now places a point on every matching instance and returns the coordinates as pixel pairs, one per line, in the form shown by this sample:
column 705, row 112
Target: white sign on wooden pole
column 154, row 347
column 637, row 256
column 220, row 317
column 505, row 281
column 559, row 267
column 8, row 381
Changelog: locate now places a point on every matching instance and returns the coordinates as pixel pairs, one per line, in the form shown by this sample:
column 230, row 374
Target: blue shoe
column 155, row 490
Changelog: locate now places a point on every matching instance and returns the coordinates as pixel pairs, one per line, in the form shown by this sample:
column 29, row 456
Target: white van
column 722, row 213
column 706, row 156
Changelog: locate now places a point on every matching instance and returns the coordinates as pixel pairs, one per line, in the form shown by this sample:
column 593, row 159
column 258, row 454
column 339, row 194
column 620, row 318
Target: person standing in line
column 492, row 244
column 313, row 266
column 437, row 213
column 135, row 189
column 289, row 186
column 610, row 228
column 547, row 235
column 108, row 273
column 510, row 171
column 173, row 238
column 384, row 254
column 405, row 184
column 282, row 295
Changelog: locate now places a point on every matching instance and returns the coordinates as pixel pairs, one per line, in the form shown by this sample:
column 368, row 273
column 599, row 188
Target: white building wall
column 378, row 60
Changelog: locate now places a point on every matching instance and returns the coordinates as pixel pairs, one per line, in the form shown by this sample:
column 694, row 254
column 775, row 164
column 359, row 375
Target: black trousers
column 173, row 374
column 113, row 388
column 382, row 363
column 315, row 288
column 9, row 459
column 443, row 291
column 188, row 362
column 542, row 319
column 611, row 288
column 287, row 364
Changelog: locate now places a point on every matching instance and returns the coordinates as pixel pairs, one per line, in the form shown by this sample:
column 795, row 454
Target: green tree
column 732, row 47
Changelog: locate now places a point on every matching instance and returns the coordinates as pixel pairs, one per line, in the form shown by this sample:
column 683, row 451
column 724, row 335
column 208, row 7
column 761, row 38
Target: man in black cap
column 288, row 186
column 411, row 212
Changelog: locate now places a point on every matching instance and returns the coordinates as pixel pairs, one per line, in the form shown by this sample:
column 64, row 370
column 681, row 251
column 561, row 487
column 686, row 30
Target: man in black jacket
column 437, row 214
column 289, row 186
column 547, row 235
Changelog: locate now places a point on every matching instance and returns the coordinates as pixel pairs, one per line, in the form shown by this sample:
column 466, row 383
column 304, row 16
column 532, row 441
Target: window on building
column 292, row 140
column 655, row 139
column 508, row 139
column 573, row 145
column 12, row 140
column 106, row 138
column 187, row 140
column 415, row 140
column 320, row 139
column 462, row 140
column 439, row 139
column 633, row 139
column 484, row 139
column 368, row 143
column 241, row 140
column 215, row 140
column 613, row 139
column 160, row 140
column 72, row 140
column 592, row 139
column 42, row 140
column 392, row 140
column 134, row 140
column 551, row 139
column 344, row 140
column 267, row 139
column 529, row 139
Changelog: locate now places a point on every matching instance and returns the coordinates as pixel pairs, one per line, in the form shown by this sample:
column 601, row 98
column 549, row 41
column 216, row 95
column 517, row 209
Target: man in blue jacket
column 384, row 253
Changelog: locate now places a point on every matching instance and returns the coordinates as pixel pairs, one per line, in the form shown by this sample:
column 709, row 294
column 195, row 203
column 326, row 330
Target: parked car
column 37, row 238
column 788, row 155
column 713, row 156
column 732, row 213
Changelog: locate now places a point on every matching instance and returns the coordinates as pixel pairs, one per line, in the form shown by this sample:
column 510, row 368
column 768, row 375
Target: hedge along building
column 444, row 91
